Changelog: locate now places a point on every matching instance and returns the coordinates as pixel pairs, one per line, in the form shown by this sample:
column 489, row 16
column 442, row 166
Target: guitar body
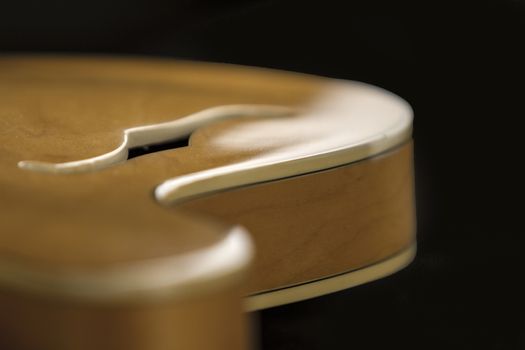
column 272, row 187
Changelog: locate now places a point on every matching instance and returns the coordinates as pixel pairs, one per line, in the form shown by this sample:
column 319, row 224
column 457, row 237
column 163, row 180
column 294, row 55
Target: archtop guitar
column 147, row 204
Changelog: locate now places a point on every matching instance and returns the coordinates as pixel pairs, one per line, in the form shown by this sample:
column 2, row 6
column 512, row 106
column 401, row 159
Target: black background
column 458, row 63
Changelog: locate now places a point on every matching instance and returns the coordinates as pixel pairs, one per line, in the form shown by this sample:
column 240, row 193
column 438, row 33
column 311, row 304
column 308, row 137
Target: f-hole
column 147, row 136
column 158, row 147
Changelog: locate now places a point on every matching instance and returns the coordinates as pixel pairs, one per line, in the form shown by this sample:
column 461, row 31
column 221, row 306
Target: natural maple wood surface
column 326, row 223
column 60, row 110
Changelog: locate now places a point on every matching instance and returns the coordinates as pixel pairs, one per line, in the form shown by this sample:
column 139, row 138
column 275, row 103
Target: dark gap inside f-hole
column 157, row 147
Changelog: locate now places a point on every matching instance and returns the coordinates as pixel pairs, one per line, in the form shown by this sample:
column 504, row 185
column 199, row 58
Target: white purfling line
column 185, row 187
column 157, row 133
column 331, row 284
